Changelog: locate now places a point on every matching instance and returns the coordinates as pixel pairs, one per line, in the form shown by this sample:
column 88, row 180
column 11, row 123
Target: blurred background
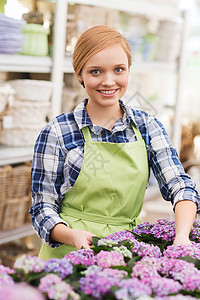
column 37, row 82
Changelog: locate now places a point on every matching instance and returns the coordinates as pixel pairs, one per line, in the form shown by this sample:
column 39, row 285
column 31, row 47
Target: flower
column 106, row 259
column 123, row 250
column 6, row 279
column 164, row 286
column 116, row 238
column 125, row 266
column 99, row 283
column 82, row 257
column 6, row 270
column 143, row 249
column 29, row 264
column 56, row 289
column 144, row 272
column 162, row 229
column 61, row 266
column 115, row 272
column 132, row 289
column 20, row 291
column 182, row 251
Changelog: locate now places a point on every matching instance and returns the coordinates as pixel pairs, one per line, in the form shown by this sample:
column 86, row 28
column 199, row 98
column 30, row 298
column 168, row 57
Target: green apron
column 109, row 191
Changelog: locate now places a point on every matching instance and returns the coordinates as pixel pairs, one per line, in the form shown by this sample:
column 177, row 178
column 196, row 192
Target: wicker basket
column 22, row 136
column 29, row 112
column 6, row 97
column 15, row 189
column 15, row 182
column 13, row 213
column 32, row 90
column 28, row 217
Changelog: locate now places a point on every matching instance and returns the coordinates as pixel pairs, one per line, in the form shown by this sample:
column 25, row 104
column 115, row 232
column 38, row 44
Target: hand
column 81, row 238
column 181, row 240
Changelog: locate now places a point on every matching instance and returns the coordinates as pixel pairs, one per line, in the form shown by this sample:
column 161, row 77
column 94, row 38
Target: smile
column 108, row 92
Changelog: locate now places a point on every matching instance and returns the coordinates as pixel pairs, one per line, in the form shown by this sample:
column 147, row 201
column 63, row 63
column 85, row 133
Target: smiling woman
column 105, row 83
column 91, row 165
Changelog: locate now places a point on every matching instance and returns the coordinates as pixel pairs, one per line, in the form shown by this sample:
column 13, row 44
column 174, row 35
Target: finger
column 86, row 246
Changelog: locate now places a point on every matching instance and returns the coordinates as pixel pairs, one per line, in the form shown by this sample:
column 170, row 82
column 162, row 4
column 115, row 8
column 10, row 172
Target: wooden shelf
column 25, row 63
column 12, row 155
column 39, row 64
column 164, row 11
column 7, row 236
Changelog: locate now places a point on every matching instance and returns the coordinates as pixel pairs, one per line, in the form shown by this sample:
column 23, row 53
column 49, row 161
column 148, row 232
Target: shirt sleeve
column 47, row 177
column 174, row 183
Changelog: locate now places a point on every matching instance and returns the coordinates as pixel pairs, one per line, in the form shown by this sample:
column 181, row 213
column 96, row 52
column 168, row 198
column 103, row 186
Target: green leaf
column 95, row 240
column 132, row 261
column 190, row 259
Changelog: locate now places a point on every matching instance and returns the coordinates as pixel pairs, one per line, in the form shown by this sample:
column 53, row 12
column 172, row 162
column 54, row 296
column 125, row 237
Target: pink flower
column 20, row 291
column 106, row 259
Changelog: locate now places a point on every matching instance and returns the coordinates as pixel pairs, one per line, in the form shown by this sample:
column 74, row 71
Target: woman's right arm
column 47, row 178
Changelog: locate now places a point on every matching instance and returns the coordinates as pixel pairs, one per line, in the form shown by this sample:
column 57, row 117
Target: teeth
column 108, row 92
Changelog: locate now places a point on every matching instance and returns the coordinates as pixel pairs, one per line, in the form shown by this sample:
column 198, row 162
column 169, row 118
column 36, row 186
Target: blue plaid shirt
column 58, row 156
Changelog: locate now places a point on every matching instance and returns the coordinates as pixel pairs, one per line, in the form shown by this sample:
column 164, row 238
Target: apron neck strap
column 87, row 135
column 136, row 131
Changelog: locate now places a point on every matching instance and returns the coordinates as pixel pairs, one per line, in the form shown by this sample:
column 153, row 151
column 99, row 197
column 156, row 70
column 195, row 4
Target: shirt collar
column 83, row 120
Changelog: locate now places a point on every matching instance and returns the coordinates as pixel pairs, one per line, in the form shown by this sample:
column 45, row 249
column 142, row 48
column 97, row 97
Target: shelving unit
column 14, row 155
column 59, row 64
column 38, row 64
column 151, row 9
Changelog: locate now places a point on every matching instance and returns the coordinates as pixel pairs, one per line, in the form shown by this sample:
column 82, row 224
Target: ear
column 80, row 78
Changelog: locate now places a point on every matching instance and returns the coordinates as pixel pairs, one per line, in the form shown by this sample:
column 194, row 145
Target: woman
column 91, row 166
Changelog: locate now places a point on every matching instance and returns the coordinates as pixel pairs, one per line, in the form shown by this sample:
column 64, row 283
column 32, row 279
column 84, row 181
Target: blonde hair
column 94, row 40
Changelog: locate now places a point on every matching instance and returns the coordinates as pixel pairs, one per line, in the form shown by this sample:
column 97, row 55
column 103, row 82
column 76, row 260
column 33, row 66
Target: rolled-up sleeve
column 174, row 183
column 47, row 178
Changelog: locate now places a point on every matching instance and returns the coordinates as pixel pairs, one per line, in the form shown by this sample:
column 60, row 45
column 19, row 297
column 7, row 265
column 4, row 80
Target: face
column 105, row 76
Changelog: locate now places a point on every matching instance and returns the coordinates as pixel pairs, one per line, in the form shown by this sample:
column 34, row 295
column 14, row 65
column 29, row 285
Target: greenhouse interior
column 84, row 84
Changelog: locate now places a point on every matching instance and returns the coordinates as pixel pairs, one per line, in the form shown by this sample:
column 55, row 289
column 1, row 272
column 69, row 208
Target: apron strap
column 87, row 135
column 82, row 215
column 136, row 131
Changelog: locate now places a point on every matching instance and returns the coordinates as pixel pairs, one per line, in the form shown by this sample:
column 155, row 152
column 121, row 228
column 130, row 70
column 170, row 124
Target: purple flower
column 145, row 269
column 195, row 233
column 164, row 286
column 81, row 257
column 162, row 229
column 106, row 259
column 176, row 268
column 53, row 286
column 143, row 249
column 6, row 270
column 175, row 297
column 191, row 283
column 182, row 251
column 61, row 266
column 20, row 291
column 132, row 289
column 117, row 237
column 29, row 264
column 99, row 283
column 115, row 272
column 6, row 279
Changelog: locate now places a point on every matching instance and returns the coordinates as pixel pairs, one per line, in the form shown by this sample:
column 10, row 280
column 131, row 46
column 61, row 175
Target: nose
column 108, row 80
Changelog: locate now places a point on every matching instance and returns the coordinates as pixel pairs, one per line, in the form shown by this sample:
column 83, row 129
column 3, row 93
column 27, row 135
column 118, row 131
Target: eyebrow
column 96, row 67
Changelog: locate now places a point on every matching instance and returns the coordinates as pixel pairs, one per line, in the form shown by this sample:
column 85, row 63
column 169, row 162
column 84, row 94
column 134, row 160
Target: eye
column 95, row 72
column 118, row 70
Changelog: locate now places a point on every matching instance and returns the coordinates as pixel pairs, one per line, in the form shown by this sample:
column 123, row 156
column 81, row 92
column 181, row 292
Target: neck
column 104, row 116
